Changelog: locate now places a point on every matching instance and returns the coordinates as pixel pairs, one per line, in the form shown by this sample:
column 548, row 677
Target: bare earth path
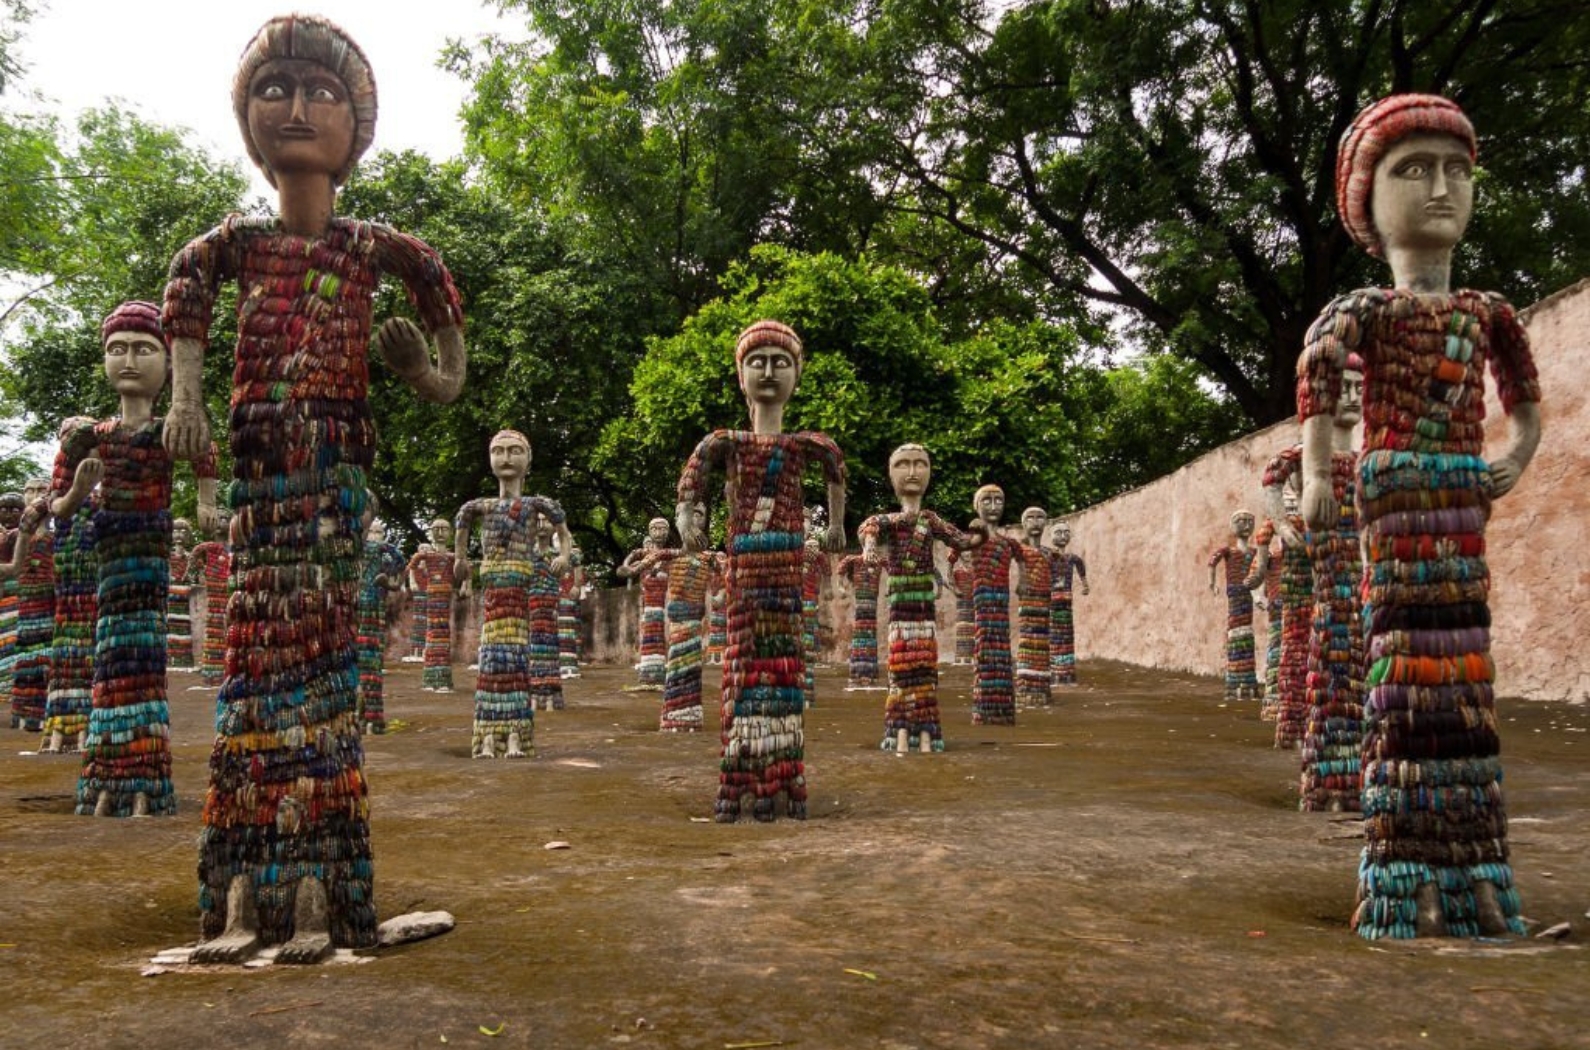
column 1124, row 870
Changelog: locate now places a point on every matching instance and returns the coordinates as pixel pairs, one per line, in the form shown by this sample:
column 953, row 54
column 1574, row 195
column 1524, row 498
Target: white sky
column 172, row 61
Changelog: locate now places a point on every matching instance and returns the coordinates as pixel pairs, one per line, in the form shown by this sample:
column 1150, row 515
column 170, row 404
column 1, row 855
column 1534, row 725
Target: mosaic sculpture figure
column 11, row 504
column 284, row 856
column 34, row 561
column 434, row 587
column 571, row 585
column 863, row 577
column 816, row 567
column 1067, row 570
column 1264, row 579
column 210, row 569
column 1435, row 860
column 518, row 581
column 685, row 604
column 1033, row 611
column 380, row 568
column 763, row 753
column 993, row 696
column 179, row 600
column 1281, row 475
column 901, row 545
column 70, row 695
column 1242, row 681
column 652, row 667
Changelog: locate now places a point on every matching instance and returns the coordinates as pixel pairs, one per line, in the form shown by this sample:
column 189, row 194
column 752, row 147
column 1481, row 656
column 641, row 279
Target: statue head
column 375, row 532
column 1350, row 406
column 768, row 360
column 11, row 504
column 1060, row 535
column 657, row 532
column 1404, row 174
column 35, row 488
column 304, row 98
column 1033, row 521
column 698, row 517
column 441, row 533
column 542, row 528
column 181, row 534
column 510, row 454
column 989, row 503
column 910, row 470
column 137, row 360
column 1242, row 523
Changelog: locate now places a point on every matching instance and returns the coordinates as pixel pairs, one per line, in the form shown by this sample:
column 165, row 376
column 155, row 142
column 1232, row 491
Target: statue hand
column 461, row 571
column 186, row 433
column 1504, row 475
column 834, row 542
column 464, row 590
column 1085, row 587
column 31, row 518
column 209, row 518
column 560, row 565
column 403, row 347
column 1317, row 506
column 90, row 472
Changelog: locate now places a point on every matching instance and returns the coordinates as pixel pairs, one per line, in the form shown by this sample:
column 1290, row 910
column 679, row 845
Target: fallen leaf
column 493, row 1031
column 862, row 973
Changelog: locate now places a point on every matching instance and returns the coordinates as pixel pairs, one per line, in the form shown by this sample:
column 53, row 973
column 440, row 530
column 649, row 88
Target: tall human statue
column 685, row 604
column 963, row 584
column 1033, row 674
column 1435, row 860
column 900, row 544
column 381, row 568
column 1068, row 570
column 862, row 659
column 179, row 600
column 284, row 856
column 1282, row 477
column 1264, row 580
column 210, row 568
column 816, row 567
column 126, row 748
column 571, row 586
column 763, row 754
column 435, row 589
column 518, row 610
column 34, row 562
column 75, row 603
column 993, row 695
column 1242, row 681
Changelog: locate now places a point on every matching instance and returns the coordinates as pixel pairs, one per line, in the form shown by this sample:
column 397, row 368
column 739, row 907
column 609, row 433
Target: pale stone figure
column 1435, row 860
column 284, row 857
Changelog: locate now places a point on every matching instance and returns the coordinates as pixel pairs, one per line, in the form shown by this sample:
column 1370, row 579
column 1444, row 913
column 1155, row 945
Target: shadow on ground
column 1125, row 869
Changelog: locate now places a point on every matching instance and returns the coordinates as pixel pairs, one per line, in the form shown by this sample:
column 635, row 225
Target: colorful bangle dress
column 863, row 656
column 1242, row 682
column 815, row 569
column 1033, row 616
column 70, row 697
column 1297, row 613
column 906, row 539
column 688, row 575
column 569, row 623
column 179, row 615
column 30, row 663
column 1066, row 569
column 432, row 570
column 287, row 796
column 382, row 560
column 1265, row 539
column 1431, row 766
column 210, row 566
column 763, row 753
column 964, row 583
column 993, row 695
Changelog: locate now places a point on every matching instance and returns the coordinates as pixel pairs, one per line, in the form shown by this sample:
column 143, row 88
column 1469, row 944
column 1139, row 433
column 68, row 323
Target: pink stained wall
column 1147, row 550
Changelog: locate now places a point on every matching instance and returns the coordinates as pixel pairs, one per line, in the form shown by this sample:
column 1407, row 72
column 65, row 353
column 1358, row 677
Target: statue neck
column 136, row 410
column 510, row 488
column 306, row 201
column 767, row 419
column 1342, row 437
column 911, row 504
column 1424, row 271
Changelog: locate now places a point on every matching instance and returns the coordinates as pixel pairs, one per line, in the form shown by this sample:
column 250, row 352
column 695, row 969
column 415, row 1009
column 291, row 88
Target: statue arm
column 186, row 433
column 1337, row 332
column 1082, row 571
column 1221, row 554
column 431, row 290
column 463, row 525
column 692, row 484
column 1518, row 386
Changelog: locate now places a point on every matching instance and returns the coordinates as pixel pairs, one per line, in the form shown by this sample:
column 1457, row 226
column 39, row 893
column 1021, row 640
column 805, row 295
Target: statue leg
column 311, row 925
column 240, row 939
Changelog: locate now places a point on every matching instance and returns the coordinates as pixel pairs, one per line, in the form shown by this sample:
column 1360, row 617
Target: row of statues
column 284, row 854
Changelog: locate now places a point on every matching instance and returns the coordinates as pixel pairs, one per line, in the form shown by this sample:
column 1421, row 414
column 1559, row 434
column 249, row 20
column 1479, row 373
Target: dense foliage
column 1067, row 244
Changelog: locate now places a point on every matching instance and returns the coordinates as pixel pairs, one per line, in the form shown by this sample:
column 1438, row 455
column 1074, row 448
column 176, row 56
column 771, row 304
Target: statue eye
column 271, row 91
column 1457, row 169
column 1414, row 169
column 323, row 95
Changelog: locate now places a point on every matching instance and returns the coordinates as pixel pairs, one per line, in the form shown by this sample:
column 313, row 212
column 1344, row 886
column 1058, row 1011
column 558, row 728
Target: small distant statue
column 179, row 600
column 862, row 660
column 380, row 570
column 432, row 581
column 1242, row 680
column 993, row 695
column 654, row 552
column 1281, row 477
column 1033, row 612
column 1067, row 570
column 210, row 568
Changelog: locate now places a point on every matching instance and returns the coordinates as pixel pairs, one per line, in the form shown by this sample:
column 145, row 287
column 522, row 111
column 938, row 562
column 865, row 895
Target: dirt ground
column 1126, row 869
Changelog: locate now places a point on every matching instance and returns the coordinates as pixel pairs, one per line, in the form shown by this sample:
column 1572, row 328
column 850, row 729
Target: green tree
column 1008, row 405
column 1174, row 161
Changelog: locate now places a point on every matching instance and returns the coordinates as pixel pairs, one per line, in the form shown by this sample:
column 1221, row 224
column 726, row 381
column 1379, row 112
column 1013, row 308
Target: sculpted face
column 1242, row 524
column 135, row 363
column 1350, row 408
column 1062, row 534
column 300, row 117
column 510, row 457
column 1033, row 521
column 181, row 534
column 441, row 533
column 768, row 375
column 910, row 470
column 990, row 506
column 376, row 533
column 11, row 512
column 1423, row 193
column 34, row 489
column 657, row 531
column 543, row 527
column 698, row 516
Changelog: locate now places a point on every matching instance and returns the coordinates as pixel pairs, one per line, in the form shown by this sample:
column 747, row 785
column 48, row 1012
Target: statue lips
column 296, row 130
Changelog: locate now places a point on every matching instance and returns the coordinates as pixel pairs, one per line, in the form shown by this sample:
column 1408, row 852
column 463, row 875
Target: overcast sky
column 172, row 61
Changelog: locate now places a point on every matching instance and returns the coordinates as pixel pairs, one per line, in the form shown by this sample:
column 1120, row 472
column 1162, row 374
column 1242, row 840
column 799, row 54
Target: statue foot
column 1431, row 920
column 762, row 811
column 902, row 742
column 311, row 926
column 926, row 744
column 486, row 749
column 52, row 746
column 140, row 805
column 102, row 804
column 82, row 740
column 515, row 748
column 240, row 940
column 1488, row 910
